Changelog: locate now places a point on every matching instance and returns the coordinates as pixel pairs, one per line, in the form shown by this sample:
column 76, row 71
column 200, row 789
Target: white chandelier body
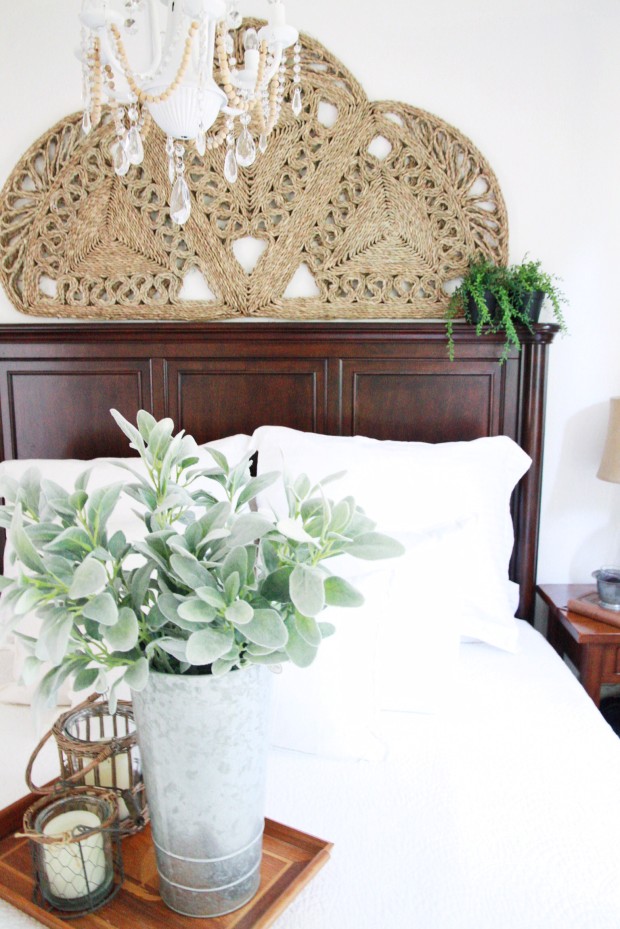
column 183, row 78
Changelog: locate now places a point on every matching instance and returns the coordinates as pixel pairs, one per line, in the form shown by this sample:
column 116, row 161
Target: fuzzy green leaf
column 221, row 666
column 160, row 437
column 24, row 549
column 294, row 530
column 249, row 527
column 189, row 570
column 212, row 596
column 266, row 628
column 307, row 590
column 146, row 423
column 276, row 585
column 196, row 611
column 308, row 629
column 28, row 601
column 232, row 586
column 137, row 674
column 123, row 635
column 100, row 506
column 73, row 540
column 31, row 669
column 85, row 679
column 89, row 579
column 218, row 457
column 53, row 640
column 256, row 486
column 130, row 431
column 271, row 658
column 236, row 561
column 339, row 592
column 207, row 645
column 239, row 613
column 372, row 546
column 300, row 652
column 102, row 609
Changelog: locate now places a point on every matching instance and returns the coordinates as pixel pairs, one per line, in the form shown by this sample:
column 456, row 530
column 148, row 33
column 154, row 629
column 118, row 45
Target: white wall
column 536, row 85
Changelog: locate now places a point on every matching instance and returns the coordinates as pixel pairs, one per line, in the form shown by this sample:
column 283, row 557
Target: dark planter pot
column 473, row 312
column 532, row 304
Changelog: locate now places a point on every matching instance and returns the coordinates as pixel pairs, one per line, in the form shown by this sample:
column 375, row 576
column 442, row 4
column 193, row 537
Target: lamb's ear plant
column 213, row 586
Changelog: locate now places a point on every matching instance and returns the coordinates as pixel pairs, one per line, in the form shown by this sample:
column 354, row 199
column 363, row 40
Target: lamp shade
column 609, row 469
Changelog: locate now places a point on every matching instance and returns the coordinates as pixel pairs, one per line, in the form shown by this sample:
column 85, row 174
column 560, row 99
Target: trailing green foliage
column 512, row 288
column 212, row 587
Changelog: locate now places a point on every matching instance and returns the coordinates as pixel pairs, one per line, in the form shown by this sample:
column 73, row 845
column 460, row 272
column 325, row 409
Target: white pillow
column 449, row 505
column 415, row 487
column 104, row 471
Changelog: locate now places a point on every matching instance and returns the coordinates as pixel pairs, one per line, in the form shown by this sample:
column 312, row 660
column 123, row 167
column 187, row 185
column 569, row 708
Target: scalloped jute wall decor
column 371, row 207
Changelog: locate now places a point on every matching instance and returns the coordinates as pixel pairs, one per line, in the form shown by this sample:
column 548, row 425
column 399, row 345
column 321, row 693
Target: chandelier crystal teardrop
column 183, row 78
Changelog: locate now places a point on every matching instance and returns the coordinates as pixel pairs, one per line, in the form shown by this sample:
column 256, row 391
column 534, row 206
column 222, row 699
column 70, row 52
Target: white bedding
column 503, row 813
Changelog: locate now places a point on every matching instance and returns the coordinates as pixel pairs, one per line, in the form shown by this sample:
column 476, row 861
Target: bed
column 497, row 807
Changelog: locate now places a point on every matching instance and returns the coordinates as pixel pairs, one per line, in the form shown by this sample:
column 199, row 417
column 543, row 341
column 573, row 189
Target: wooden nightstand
column 592, row 646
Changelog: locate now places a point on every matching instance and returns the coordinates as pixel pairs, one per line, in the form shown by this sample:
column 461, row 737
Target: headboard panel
column 385, row 380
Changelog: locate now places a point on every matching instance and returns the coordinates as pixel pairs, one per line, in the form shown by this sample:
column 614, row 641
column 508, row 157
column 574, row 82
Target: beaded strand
column 140, row 94
column 96, row 79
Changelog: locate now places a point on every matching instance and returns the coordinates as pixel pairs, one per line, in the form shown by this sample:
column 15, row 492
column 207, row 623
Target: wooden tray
column 290, row 859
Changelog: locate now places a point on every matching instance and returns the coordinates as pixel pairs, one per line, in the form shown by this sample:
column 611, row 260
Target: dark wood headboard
column 385, row 380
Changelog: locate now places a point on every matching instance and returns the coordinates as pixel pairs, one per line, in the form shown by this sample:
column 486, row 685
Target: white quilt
column 504, row 813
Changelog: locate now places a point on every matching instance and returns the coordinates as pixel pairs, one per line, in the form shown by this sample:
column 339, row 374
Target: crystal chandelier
column 182, row 77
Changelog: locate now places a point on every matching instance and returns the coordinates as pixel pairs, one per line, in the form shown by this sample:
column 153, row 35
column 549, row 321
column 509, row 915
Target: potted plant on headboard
column 498, row 298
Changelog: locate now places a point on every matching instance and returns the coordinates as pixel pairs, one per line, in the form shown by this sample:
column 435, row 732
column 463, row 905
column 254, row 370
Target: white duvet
column 502, row 813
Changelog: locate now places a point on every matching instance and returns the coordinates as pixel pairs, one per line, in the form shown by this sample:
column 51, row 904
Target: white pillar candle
column 66, row 874
column 106, row 778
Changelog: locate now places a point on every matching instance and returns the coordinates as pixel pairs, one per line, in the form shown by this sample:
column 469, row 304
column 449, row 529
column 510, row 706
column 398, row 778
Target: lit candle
column 67, row 875
column 106, row 778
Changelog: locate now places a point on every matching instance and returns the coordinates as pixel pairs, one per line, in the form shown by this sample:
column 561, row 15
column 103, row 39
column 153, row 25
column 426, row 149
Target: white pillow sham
column 449, row 504
column 104, row 471
column 414, row 487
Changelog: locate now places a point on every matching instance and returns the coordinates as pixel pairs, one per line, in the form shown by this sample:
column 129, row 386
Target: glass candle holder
column 99, row 749
column 75, row 847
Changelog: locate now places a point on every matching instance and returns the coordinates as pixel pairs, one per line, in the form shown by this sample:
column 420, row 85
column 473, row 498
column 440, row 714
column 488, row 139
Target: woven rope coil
column 381, row 204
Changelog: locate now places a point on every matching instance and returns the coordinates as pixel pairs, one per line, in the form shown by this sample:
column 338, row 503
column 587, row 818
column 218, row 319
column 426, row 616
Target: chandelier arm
column 211, row 30
column 142, row 96
column 272, row 70
column 156, row 45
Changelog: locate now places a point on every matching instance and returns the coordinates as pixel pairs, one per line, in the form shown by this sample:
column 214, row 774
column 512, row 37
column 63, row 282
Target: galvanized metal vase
column 203, row 742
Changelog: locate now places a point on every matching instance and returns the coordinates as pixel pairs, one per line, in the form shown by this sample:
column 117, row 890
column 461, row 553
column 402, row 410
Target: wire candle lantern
column 75, row 845
column 99, row 749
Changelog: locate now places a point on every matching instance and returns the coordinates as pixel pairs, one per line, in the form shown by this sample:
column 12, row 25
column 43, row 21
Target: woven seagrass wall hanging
column 368, row 209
